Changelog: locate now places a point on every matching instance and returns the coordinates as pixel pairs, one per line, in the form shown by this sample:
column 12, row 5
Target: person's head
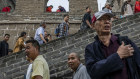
column 32, row 49
column 107, row 5
column 6, row 37
column 88, row 9
column 49, row 37
column 10, row 7
column 51, row 6
column 74, row 61
column 102, row 23
column 66, row 17
column 23, row 34
column 45, row 32
column 111, row 6
column 128, row 1
column 43, row 24
column 59, row 6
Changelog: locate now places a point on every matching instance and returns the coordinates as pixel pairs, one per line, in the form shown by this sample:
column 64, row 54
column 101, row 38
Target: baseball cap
column 99, row 14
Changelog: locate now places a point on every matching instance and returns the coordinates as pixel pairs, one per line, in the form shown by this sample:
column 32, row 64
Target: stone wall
column 29, row 7
column 55, row 52
column 79, row 6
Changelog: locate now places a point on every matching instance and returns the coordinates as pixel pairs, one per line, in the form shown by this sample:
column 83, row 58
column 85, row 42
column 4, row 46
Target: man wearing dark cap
column 111, row 56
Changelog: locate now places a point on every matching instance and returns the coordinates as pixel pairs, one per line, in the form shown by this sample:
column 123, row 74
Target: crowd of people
column 41, row 36
column 110, row 56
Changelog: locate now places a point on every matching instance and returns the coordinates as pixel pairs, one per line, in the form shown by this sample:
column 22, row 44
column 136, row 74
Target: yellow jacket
column 19, row 45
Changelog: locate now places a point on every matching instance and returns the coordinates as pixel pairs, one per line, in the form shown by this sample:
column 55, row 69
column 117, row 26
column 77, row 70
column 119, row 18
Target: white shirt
column 128, row 11
column 28, row 75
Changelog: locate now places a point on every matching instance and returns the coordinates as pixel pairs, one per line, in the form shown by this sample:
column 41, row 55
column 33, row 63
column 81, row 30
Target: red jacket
column 49, row 9
column 137, row 7
column 6, row 9
column 58, row 10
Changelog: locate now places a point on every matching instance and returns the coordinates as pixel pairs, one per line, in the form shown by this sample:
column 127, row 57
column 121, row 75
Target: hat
column 99, row 14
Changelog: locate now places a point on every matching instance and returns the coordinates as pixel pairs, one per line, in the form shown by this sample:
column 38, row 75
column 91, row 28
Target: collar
column 79, row 67
column 4, row 41
column 41, row 27
column 112, row 39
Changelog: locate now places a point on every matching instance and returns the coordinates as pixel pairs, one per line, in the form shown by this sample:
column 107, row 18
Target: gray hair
column 42, row 22
column 77, row 55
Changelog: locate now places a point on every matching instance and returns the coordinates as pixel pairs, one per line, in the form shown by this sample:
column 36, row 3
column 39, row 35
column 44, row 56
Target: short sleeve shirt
column 64, row 28
column 40, row 67
column 37, row 37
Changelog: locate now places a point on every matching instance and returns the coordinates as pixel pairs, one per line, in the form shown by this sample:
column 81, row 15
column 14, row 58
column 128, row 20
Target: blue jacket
column 100, row 67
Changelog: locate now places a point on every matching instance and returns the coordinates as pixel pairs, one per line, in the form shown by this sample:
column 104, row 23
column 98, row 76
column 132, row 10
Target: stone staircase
column 56, row 52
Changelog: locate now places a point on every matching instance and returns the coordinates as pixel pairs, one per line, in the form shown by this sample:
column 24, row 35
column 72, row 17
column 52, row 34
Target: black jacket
column 3, row 48
column 100, row 67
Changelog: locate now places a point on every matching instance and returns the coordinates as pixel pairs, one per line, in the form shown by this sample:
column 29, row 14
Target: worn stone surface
column 56, row 52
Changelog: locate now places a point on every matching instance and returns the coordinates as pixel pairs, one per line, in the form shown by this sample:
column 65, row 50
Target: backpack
column 57, row 31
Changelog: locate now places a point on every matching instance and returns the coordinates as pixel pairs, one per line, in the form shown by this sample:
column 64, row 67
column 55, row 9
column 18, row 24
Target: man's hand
column 125, row 51
column 88, row 23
